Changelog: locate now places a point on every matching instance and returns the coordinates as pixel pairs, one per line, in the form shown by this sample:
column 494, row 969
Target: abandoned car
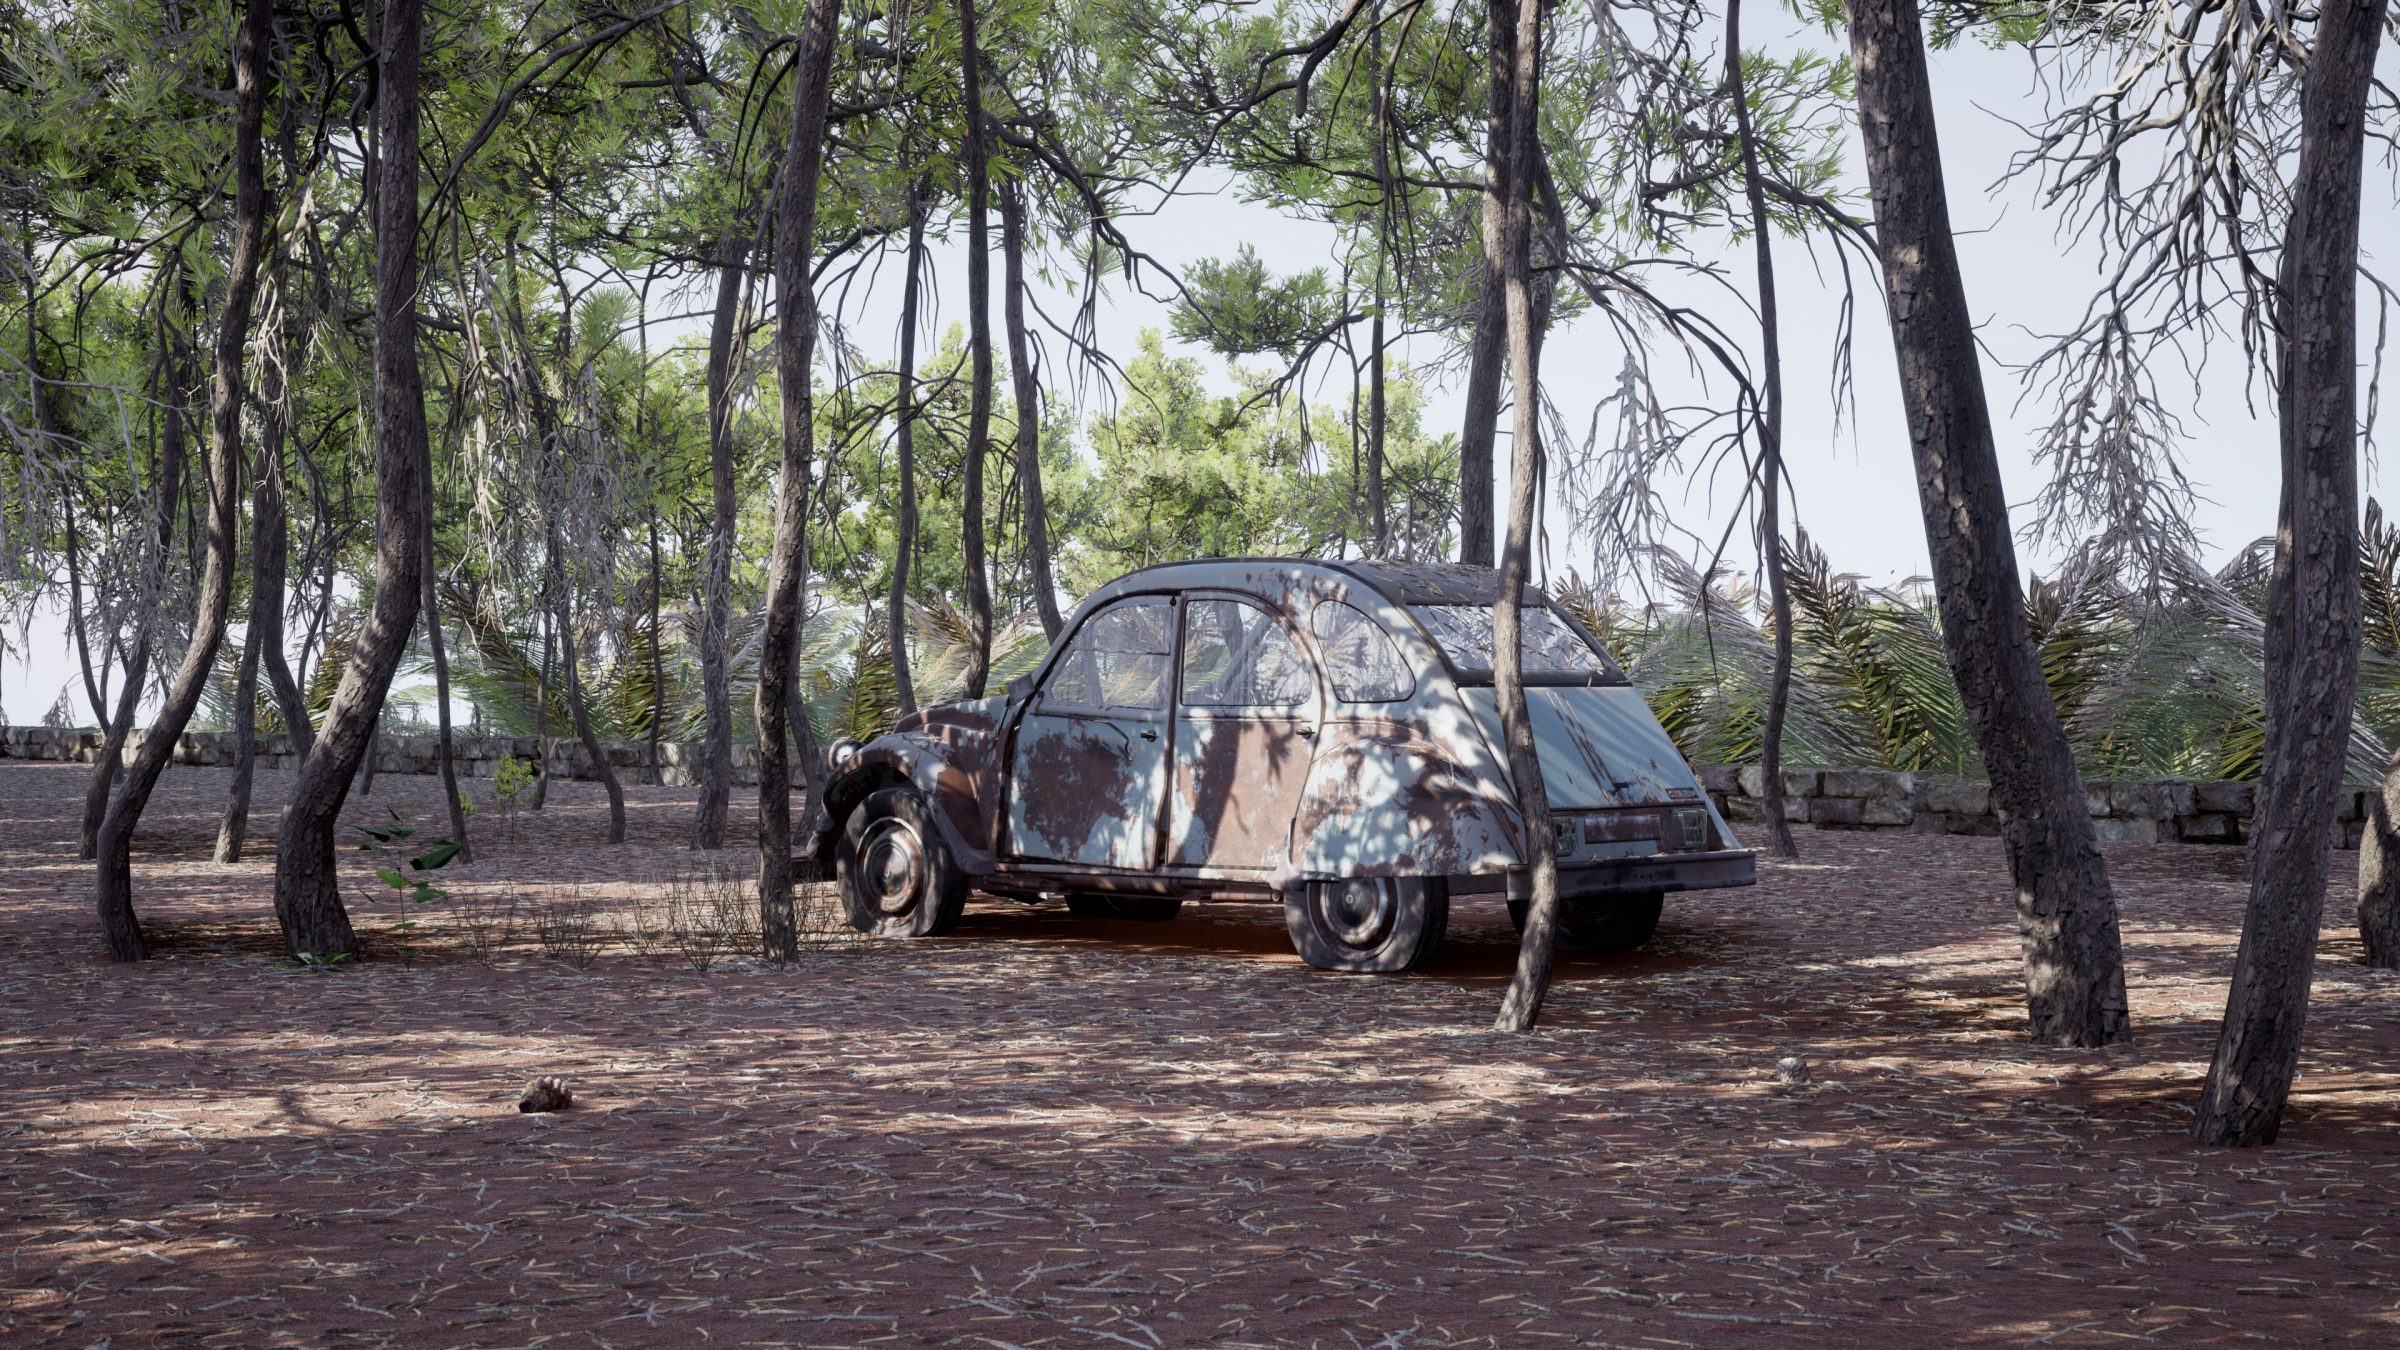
column 1325, row 734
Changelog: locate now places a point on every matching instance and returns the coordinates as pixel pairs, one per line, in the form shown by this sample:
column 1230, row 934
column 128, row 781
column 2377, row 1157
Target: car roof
column 1406, row 583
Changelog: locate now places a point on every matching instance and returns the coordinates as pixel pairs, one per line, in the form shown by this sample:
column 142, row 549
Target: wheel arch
column 885, row 764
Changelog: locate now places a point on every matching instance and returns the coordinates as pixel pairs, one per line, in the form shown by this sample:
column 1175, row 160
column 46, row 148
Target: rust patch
column 1237, row 782
column 1085, row 790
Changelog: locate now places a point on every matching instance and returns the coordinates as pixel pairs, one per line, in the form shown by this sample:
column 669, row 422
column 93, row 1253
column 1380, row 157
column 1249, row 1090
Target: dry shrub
column 489, row 921
column 571, row 928
column 695, row 919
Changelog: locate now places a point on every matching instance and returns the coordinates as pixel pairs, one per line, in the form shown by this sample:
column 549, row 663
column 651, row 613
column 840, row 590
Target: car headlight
column 842, row 752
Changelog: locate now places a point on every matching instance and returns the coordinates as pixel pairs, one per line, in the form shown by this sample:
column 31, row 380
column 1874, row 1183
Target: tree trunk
column 2312, row 598
column 1487, row 358
column 308, row 897
column 2379, row 874
column 1770, row 445
column 118, row 924
column 979, row 342
column 119, row 727
column 1522, row 1005
column 441, row 678
column 2074, row 970
column 1379, row 519
column 787, row 560
column 658, row 661
column 233, row 828
column 904, row 538
column 1028, row 388
column 563, row 598
column 716, row 602
column 270, row 543
column 541, row 717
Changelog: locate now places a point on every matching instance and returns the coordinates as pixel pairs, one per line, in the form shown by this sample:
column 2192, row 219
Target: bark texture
column 716, row 600
column 979, row 346
column 904, row 436
column 2312, row 597
column 1770, row 444
column 1521, row 1007
column 118, row 925
column 787, row 561
column 2074, row 970
column 1487, row 357
column 1039, row 574
column 308, row 899
column 2379, row 875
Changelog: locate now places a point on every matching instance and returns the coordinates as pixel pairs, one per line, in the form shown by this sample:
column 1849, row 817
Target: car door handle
column 1148, row 734
column 1307, row 733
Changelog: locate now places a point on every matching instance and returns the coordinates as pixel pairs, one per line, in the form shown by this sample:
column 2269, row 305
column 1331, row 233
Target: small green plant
column 393, row 846
column 512, row 787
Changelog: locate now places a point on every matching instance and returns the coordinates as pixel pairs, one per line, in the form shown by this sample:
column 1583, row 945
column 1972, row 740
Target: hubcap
column 1358, row 913
column 891, row 866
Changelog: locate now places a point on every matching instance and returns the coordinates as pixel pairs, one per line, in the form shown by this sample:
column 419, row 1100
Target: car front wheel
column 1367, row 925
column 1615, row 923
column 897, row 876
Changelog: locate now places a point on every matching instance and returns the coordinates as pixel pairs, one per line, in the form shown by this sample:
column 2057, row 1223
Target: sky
column 1853, row 485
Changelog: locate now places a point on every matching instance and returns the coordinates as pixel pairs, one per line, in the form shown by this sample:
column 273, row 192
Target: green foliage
column 399, row 856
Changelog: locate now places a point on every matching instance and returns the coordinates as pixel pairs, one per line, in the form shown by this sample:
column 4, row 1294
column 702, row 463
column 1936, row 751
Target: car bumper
column 1637, row 876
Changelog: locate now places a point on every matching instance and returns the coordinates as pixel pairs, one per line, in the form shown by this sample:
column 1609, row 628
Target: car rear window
column 1553, row 649
column 1359, row 656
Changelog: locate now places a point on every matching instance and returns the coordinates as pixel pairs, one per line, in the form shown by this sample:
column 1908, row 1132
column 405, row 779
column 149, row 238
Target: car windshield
column 1553, row 650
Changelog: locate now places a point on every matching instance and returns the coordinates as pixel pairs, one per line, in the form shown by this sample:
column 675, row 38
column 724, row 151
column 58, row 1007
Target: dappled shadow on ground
column 1050, row 1131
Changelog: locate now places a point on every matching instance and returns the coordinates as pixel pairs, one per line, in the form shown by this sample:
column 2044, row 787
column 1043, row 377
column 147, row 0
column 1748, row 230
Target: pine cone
column 546, row 1094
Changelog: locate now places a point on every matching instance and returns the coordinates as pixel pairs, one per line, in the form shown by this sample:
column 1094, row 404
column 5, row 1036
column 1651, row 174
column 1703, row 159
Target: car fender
column 960, row 798
column 1383, row 801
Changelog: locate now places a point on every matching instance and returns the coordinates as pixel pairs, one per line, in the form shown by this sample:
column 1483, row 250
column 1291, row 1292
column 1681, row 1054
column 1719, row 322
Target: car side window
column 1118, row 659
column 1360, row 658
column 1235, row 655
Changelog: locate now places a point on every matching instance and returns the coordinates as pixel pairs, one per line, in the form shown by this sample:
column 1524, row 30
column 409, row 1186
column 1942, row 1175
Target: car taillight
column 1691, row 825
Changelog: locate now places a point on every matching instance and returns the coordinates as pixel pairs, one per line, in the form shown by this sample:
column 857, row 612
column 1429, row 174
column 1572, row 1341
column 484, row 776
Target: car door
column 1246, row 713
column 1088, row 769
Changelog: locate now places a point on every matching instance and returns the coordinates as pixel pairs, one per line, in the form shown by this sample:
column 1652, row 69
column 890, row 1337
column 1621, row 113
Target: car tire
column 897, row 875
column 1614, row 923
column 1139, row 908
column 1367, row 925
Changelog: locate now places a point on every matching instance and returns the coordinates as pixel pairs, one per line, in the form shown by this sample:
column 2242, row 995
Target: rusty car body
column 1323, row 734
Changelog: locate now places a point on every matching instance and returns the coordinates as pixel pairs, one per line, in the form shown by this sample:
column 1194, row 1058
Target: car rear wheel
column 897, row 876
column 1139, row 908
column 1611, row 923
column 1367, row 925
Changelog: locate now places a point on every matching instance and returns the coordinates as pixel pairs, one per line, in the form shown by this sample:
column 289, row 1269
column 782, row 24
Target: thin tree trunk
column 2379, row 874
column 441, row 677
column 118, row 924
column 787, row 560
column 804, row 728
column 904, row 539
column 95, row 678
column 2312, row 598
column 1379, row 521
column 563, row 594
column 541, row 717
column 1770, row 444
column 1028, row 389
column 1487, row 358
column 716, row 603
column 233, row 828
column 979, row 344
column 308, row 897
column 658, row 661
column 270, row 544
column 2074, row 969
column 152, row 619
column 1521, row 1007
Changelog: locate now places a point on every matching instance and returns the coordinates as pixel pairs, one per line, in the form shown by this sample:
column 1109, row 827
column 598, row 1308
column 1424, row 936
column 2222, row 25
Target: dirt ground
column 1047, row 1131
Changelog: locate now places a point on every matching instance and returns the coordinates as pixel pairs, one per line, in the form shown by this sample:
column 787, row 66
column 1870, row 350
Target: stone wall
column 2163, row 812
column 476, row 756
column 2149, row 812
